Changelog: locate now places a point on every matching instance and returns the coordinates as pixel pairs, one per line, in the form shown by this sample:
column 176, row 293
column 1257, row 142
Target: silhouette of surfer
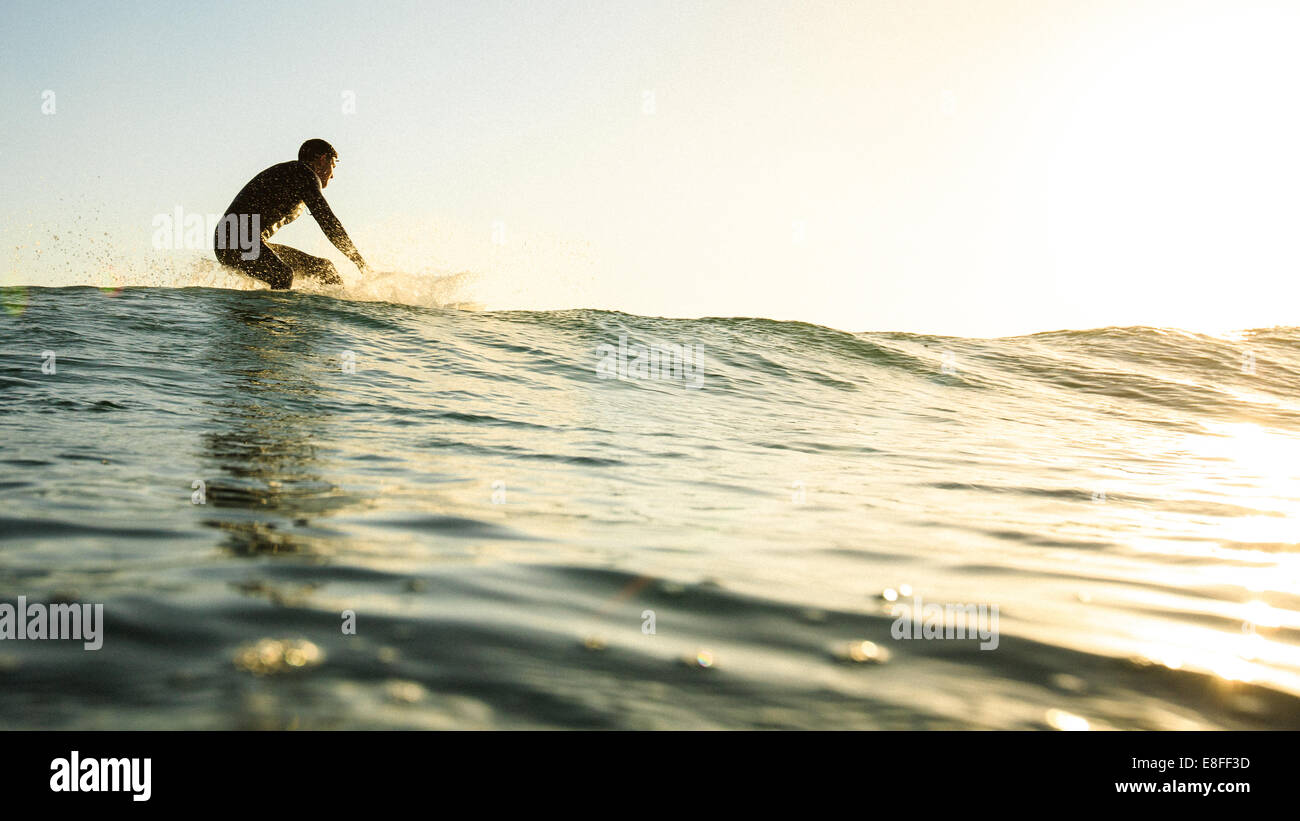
column 273, row 199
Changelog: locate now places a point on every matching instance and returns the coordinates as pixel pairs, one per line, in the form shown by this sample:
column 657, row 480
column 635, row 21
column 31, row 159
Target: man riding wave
column 275, row 198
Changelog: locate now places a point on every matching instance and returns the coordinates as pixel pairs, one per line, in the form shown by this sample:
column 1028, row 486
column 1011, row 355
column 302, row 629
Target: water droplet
column 703, row 659
column 862, row 652
column 273, row 656
column 1065, row 681
column 404, row 692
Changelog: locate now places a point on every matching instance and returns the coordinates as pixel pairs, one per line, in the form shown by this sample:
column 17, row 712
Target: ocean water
column 304, row 511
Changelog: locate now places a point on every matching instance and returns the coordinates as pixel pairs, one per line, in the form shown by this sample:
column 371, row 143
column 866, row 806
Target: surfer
column 273, row 199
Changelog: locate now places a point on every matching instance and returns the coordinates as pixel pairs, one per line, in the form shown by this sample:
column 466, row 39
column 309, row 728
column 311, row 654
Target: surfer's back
column 276, row 195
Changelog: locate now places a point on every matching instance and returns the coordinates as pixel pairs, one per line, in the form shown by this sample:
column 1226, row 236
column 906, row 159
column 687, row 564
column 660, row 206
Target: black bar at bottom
column 330, row 770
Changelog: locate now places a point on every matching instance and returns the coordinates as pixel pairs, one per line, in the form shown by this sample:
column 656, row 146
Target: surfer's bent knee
column 274, row 273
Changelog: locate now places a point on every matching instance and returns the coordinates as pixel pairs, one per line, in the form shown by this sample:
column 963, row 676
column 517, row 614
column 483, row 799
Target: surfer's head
column 320, row 157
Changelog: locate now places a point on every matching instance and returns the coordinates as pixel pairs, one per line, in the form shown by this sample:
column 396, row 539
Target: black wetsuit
column 277, row 197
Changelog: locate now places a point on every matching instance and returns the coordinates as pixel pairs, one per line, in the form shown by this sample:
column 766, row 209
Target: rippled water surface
column 228, row 472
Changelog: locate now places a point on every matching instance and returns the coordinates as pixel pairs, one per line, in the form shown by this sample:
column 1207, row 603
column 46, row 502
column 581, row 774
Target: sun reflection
column 1270, row 457
column 1243, row 656
column 1061, row 720
column 1247, row 477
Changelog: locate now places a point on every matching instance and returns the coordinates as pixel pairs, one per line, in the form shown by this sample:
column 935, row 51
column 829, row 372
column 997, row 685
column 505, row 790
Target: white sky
column 968, row 168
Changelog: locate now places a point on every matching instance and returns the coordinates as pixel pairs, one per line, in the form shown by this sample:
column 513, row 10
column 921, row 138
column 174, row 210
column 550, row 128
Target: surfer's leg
column 306, row 265
column 266, row 266
column 263, row 265
column 270, row 269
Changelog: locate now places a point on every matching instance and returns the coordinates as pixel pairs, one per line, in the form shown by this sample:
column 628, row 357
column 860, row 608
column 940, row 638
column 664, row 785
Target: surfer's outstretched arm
column 333, row 229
